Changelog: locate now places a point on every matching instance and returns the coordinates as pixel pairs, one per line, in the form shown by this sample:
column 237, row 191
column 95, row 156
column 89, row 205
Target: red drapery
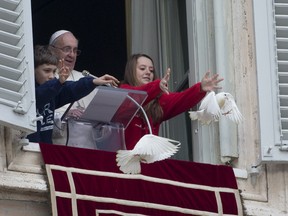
column 88, row 182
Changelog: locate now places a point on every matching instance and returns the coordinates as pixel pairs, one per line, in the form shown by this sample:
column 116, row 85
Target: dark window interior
column 99, row 25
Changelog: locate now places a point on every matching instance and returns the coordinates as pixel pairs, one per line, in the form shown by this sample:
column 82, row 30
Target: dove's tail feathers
column 203, row 117
column 123, row 157
column 193, row 115
column 133, row 167
column 127, row 162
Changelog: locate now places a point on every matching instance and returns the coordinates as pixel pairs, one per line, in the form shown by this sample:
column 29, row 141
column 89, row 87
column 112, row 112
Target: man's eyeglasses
column 68, row 49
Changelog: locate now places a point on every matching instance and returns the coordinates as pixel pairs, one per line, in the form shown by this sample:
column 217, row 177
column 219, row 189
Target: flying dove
column 213, row 106
column 149, row 149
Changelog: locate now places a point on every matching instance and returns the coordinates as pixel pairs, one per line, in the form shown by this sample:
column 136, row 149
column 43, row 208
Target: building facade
column 246, row 42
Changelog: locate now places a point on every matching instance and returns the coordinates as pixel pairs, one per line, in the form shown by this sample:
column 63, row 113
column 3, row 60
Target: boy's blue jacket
column 52, row 95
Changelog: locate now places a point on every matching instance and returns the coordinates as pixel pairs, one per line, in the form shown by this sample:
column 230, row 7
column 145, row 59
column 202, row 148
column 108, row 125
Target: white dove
column 213, row 106
column 150, row 148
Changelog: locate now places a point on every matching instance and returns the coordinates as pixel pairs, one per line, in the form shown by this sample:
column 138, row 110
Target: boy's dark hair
column 43, row 55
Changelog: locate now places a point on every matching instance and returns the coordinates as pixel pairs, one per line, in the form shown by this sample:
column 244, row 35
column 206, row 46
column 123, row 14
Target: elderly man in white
column 65, row 45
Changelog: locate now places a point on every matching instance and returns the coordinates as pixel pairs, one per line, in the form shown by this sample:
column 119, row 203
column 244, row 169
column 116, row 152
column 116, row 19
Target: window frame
column 267, row 80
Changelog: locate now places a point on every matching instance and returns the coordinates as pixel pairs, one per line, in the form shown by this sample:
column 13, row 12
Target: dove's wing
column 209, row 103
column 209, row 110
column 206, row 100
column 154, row 148
column 230, row 109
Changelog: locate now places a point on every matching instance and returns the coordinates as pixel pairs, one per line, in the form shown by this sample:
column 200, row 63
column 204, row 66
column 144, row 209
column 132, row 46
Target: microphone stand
column 143, row 111
column 84, row 73
column 150, row 135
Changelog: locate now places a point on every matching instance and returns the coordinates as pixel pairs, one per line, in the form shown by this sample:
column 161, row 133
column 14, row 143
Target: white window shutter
column 17, row 91
column 271, row 39
column 281, row 22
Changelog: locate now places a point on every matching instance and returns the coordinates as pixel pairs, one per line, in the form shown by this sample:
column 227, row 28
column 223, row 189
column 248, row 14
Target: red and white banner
column 86, row 182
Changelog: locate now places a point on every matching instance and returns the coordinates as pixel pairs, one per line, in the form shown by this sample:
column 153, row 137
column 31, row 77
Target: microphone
column 87, row 73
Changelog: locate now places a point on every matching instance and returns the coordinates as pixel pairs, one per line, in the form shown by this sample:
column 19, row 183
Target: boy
column 52, row 93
